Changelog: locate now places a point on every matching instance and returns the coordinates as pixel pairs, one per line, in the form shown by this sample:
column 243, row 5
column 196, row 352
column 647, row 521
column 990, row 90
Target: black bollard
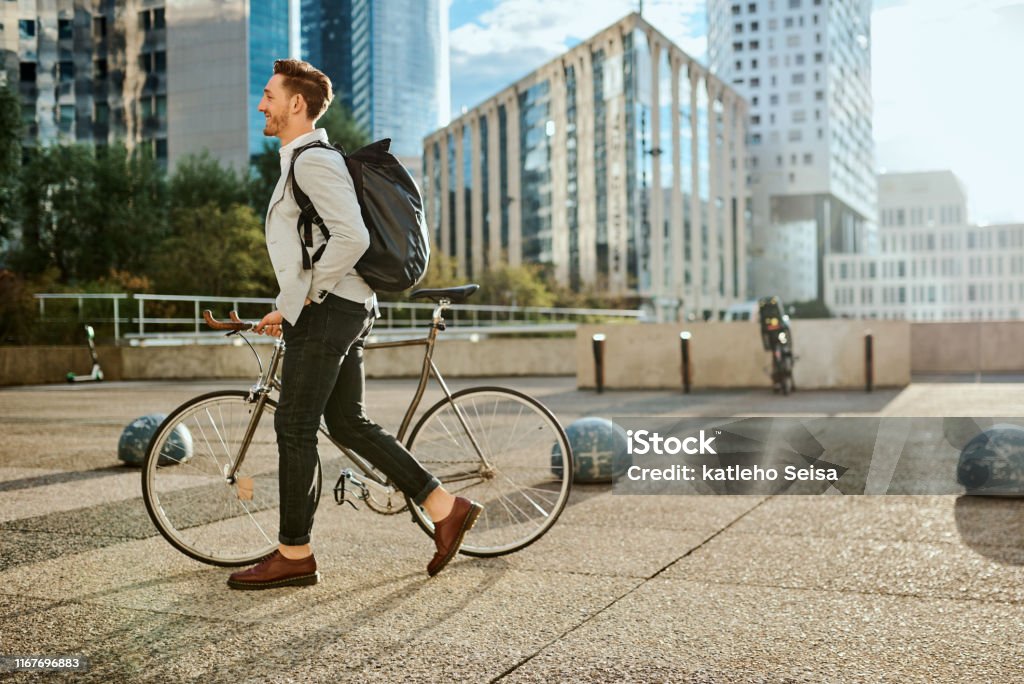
column 684, row 344
column 598, row 342
column 869, row 362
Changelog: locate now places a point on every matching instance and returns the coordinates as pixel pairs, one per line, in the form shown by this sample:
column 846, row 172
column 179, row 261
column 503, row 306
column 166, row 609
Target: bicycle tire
column 545, row 471
column 189, row 502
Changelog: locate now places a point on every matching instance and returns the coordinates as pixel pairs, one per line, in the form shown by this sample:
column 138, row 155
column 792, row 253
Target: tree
column 342, row 128
column 88, row 211
column 10, row 160
column 214, row 250
column 200, row 179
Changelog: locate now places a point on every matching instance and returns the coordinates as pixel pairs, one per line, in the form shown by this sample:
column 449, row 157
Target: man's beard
column 275, row 124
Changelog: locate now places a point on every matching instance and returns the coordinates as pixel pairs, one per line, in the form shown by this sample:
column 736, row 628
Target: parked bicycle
column 209, row 478
column 777, row 338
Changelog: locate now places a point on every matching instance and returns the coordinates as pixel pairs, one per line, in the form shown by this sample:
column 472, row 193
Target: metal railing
column 397, row 318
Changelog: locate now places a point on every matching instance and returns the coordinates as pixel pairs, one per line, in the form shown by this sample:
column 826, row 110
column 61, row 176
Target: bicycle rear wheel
column 514, row 458
column 189, row 497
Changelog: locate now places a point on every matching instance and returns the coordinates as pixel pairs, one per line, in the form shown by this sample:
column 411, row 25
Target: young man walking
column 325, row 314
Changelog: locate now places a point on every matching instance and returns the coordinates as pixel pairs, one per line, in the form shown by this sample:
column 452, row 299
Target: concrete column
column 515, row 203
column 696, row 240
column 616, row 141
column 655, row 207
column 446, row 183
column 586, row 194
column 741, row 200
column 494, row 198
column 476, row 259
column 460, row 201
column 559, row 174
column 714, row 192
column 677, row 237
column 727, row 173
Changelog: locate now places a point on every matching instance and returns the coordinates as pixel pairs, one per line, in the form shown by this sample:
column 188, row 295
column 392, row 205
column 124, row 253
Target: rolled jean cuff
column 294, row 541
column 433, row 484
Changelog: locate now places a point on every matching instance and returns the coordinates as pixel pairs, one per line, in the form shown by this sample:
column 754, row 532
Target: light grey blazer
column 323, row 176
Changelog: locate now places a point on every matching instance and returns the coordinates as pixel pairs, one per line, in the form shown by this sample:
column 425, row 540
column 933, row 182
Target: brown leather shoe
column 448, row 533
column 276, row 571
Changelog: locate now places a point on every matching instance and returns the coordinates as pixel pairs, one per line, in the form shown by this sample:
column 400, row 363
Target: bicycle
column 776, row 338
column 217, row 502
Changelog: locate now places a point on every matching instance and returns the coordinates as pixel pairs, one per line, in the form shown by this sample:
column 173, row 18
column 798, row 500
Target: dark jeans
column 323, row 376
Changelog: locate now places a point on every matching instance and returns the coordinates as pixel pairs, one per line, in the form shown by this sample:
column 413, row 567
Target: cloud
column 945, row 96
column 515, row 37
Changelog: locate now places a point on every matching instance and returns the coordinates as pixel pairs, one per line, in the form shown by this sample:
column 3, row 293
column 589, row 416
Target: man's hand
column 270, row 325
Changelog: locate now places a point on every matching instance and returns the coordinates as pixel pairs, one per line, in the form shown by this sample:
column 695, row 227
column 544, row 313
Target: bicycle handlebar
column 236, row 324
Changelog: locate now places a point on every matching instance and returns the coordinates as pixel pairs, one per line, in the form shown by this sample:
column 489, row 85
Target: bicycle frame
column 269, row 381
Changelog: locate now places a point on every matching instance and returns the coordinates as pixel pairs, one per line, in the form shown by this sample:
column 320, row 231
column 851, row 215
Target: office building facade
column 620, row 164
column 805, row 68
column 932, row 265
column 388, row 62
column 180, row 76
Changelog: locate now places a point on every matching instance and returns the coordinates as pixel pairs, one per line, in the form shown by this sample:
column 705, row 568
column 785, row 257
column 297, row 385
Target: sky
column 946, row 76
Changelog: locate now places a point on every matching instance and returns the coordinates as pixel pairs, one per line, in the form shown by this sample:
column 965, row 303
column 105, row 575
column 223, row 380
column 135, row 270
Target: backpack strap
column 308, row 215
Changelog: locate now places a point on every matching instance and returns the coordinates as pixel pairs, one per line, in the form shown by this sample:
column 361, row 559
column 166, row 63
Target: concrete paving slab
column 687, row 631
column 702, row 513
column 976, row 521
column 932, row 570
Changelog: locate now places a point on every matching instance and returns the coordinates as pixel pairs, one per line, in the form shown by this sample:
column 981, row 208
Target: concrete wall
column 830, row 355
column 989, row 347
column 455, row 358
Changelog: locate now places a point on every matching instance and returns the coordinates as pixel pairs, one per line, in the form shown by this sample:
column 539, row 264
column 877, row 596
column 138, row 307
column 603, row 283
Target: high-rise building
column 184, row 76
column 620, row 164
column 932, row 264
column 388, row 62
column 90, row 71
column 805, row 68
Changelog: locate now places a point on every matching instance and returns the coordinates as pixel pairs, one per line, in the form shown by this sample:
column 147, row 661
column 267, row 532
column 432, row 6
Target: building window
column 753, row 64
column 99, row 27
column 99, row 68
column 755, row 82
column 27, row 72
column 799, row 116
column 798, row 79
column 161, row 149
column 793, row 41
column 795, row 135
column 752, row 7
column 67, row 70
column 754, row 45
column 798, row 60
column 145, row 20
column 794, row 4
column 737, row 47
column 754, row 26
column 739, row 65
column 754, row 100
column 160, row 61
column 736, row 9
column 101, row 114
column 819, row 95
column 793, row 97
column 819, row 58
column 159, row 22
column 788, row 22
column 65, row 30
column 27, row 28
column 773, row 99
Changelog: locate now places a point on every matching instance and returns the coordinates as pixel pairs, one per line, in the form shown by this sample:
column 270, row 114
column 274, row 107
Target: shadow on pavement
column 992, row 526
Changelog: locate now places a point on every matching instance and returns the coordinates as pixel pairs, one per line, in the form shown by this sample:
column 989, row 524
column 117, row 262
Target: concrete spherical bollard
column 993, row 462
column 135, row 438
column 598, row 449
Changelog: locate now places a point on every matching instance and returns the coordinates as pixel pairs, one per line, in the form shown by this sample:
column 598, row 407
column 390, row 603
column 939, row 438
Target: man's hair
column 302, row 78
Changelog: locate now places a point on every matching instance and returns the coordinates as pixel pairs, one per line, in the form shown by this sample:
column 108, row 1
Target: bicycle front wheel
column 507, row 451
column 186, row 489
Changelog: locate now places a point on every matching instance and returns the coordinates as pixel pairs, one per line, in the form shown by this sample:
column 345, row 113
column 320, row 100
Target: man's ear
column 298, row 104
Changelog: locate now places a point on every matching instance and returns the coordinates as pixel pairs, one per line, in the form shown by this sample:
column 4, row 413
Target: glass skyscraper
column 387, row 62
column 268, row 41
column 620, row 164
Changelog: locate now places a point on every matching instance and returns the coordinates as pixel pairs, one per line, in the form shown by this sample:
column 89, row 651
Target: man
column 325, row 314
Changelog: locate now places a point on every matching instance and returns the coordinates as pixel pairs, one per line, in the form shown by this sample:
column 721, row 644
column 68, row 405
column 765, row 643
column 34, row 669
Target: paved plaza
column 639, row 589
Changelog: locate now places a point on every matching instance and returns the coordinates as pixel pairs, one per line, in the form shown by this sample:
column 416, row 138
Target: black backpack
column 392, row 210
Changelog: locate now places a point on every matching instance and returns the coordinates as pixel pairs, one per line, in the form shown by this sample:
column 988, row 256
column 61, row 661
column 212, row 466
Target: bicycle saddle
column 456, row 295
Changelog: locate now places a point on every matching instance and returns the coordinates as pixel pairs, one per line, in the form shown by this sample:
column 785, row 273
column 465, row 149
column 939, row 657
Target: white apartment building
column 805, row 68
column 933, row 265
